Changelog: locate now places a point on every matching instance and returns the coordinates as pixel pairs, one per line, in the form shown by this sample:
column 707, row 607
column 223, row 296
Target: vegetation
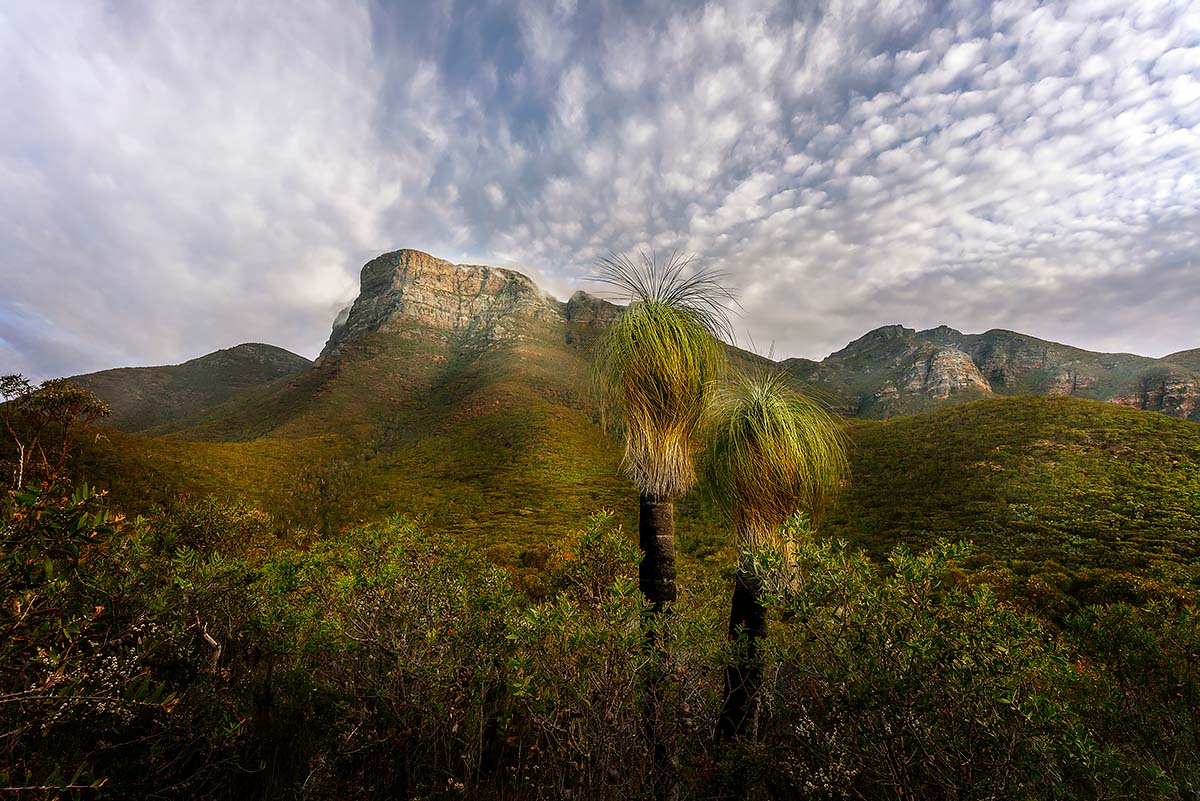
column 656, row 367
column 772, row 453
column 192, row 655
column 42, row 423
column 1066, row 500
column 246, row 638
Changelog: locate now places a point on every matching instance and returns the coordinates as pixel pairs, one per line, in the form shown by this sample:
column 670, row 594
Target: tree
column 44, row 422
column 15, row 389
column 656, row 367
column 772, row 453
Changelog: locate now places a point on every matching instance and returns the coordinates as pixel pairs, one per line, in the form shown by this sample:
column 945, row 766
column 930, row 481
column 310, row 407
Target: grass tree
column 656, row 369
column 772, row 453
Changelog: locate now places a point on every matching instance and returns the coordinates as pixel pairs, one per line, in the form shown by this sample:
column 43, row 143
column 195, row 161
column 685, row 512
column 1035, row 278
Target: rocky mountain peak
column 873, row 339
column 453, row 299
column 587, row 308
column 942, row 334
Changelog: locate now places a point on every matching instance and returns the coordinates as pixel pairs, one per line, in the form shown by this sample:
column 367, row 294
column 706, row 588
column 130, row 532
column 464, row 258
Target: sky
column 177, row 177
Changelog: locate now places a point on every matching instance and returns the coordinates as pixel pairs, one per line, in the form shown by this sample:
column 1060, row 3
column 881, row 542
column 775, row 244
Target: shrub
column 910, row 684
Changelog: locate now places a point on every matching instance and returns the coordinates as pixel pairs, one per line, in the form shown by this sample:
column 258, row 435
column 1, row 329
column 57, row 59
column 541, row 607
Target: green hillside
column 153, row 399
column 497, row 444
column 1185, row 358
column 1045, row 484
column 1071, row 482
column 460, row 394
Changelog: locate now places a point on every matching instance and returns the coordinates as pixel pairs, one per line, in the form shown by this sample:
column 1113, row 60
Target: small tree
column 15, row 389
column 772, row 453
column 45, row 421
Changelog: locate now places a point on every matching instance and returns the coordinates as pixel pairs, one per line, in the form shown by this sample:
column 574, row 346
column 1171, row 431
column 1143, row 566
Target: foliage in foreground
column 164, row 658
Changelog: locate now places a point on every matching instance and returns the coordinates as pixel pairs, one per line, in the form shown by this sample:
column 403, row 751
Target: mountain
column 895, row 370
column 458, row 393
column 146, row 398
column 454, row 392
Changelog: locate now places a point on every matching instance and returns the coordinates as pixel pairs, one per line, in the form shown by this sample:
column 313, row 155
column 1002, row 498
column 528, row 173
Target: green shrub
column 180, row 657
column 101, row 676
column 910, row 684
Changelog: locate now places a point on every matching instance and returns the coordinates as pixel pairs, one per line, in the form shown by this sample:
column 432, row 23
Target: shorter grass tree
column 772, row 453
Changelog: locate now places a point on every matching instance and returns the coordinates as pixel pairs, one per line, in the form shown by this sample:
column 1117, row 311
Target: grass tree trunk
column 656, row 578
column 656, row 536
column 743, row 677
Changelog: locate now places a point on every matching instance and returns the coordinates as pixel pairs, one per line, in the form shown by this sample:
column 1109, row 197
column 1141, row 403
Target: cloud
column 182, row 177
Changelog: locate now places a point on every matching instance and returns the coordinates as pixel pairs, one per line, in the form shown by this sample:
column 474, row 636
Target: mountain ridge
column 889, row 371
column 461, row 396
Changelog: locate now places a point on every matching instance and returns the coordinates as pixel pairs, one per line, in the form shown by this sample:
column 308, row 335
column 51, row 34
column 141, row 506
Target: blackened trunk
column 743, row 677
column 656, row 536
column 656, row 578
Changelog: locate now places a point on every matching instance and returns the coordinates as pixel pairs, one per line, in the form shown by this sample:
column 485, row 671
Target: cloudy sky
column 179, row 177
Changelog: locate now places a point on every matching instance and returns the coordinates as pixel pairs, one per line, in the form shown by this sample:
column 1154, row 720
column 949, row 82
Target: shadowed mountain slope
column 145, row 398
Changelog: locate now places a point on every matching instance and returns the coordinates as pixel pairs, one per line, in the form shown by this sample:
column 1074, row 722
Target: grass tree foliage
column 656, row 368
column 772, row 453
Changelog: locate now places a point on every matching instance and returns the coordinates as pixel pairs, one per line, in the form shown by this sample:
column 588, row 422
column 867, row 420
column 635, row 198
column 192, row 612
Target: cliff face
column 946, row 372
column 470, row 303
column 1165, row 390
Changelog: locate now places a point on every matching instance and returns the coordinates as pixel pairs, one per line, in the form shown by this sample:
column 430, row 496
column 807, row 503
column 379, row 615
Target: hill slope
column 1075, row 482
column 145, row 398
column 452, row 392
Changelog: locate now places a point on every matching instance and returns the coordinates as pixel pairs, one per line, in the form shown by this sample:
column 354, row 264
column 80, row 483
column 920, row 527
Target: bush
column 99, row 676
column 910, row 684
column 188, row 656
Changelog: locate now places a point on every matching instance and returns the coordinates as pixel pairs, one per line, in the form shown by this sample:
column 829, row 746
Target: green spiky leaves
column 657, row 364
column 772, row 452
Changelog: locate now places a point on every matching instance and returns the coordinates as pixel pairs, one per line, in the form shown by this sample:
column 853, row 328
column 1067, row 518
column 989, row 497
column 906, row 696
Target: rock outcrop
column 946, row 372
column 587, row 316
column 1165, row 390
column 896, row 370
column 1006, row 358
column 470, row 303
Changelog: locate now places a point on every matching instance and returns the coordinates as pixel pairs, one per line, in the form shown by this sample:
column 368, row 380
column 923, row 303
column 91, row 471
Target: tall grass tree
column 772, row 453
column 656, row 369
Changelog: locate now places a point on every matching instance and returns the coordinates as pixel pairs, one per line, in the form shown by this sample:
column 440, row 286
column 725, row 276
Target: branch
column 215, row 657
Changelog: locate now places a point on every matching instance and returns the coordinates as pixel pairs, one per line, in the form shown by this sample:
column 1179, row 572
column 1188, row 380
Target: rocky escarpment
column 470, row 303
column 587, row 316
column 1165, row 390
column 946, row 372
column 912, row 374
